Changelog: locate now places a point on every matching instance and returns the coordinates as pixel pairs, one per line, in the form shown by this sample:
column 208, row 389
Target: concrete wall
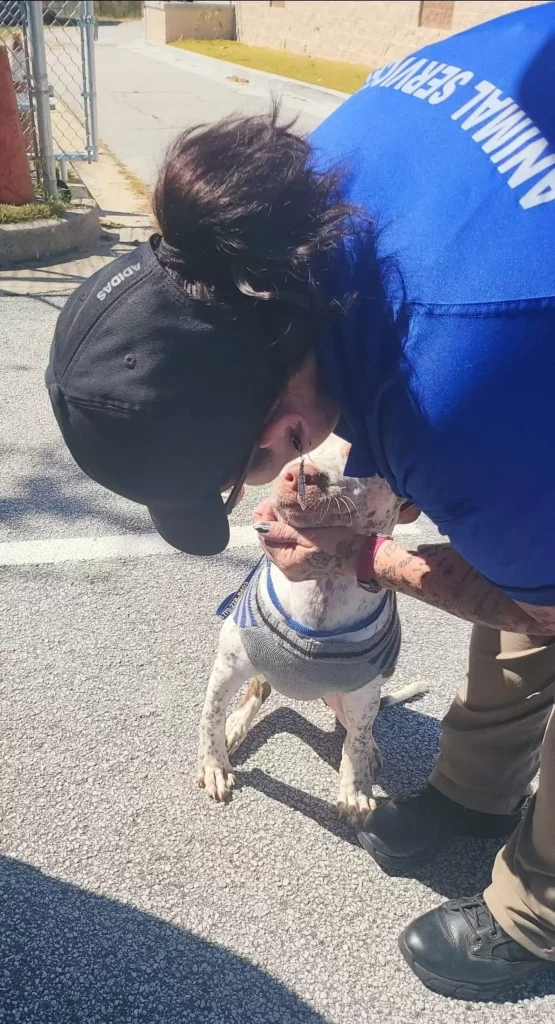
column 365, row 32
column 165, row 22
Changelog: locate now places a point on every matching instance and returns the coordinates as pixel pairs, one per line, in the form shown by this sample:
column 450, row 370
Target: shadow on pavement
column 59, row 275
column 397, row 729
column 59, row 490
column 320, row 811
column 70, row 957
column 326, row 744
column 409, row 742
column 463, row 867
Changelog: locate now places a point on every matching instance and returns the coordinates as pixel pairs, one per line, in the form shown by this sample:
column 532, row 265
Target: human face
column 301, row 420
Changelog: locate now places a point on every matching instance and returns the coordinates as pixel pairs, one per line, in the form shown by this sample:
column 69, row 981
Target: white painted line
column 87, row 549
column 132, row 545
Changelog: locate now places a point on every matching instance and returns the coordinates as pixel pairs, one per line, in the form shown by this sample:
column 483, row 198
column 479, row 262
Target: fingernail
column 262, row 527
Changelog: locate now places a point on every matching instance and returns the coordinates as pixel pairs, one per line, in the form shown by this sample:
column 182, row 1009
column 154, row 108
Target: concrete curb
column 25, row 243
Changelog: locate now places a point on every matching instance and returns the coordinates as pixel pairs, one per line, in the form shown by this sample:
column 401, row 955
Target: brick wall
column 370, row 32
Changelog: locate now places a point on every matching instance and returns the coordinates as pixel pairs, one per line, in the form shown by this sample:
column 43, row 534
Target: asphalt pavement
column 148, row 93
column 125, row 895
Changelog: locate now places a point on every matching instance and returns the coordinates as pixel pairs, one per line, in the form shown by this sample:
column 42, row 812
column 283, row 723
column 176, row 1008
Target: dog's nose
column 313, row 476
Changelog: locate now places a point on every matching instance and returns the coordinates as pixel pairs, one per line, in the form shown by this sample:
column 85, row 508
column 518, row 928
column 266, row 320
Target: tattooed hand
column 307, row 554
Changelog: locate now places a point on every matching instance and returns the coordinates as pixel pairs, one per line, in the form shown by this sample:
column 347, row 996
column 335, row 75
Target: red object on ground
column 16, row 185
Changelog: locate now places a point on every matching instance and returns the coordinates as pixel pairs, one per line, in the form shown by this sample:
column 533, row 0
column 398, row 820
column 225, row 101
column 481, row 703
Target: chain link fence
column 51, row 52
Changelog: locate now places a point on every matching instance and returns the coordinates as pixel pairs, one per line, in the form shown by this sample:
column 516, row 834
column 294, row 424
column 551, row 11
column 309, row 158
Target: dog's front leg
column 231, row 669
column 360, row 758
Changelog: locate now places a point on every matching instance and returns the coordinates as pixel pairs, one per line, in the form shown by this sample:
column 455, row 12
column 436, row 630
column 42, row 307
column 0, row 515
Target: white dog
column 325, row 638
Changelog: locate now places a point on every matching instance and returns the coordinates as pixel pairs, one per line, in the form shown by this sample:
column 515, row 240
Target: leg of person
column 480, row 947
column 521, row 896
column 492, row 734
column 490, row 749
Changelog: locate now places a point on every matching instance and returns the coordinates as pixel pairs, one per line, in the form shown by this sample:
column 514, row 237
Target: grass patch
column 332, row 74
column 47, row 210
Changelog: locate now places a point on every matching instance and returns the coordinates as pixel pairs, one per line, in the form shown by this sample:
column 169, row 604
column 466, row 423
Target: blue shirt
column 452, row 154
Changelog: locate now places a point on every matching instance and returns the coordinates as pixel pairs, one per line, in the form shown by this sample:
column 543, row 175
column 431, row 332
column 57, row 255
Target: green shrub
column 32, row 211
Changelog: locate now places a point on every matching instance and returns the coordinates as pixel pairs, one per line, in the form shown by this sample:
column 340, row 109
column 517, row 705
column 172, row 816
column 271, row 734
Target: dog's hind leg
column 240, row 721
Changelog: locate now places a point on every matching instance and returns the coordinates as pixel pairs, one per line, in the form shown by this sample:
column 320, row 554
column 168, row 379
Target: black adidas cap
column 161, row 397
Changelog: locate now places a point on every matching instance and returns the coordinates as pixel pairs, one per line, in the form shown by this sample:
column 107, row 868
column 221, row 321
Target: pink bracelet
column 367, row 557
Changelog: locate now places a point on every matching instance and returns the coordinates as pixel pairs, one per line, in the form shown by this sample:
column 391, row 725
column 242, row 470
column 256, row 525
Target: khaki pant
column 492, row 738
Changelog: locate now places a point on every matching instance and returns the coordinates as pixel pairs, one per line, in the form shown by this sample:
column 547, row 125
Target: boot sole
column 463, row 989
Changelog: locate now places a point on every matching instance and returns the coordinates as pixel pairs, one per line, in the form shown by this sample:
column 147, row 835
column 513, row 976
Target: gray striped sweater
column 304, row 663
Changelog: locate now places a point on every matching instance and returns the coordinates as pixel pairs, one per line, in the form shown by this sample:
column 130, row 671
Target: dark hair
column 246, row 216
column 247, row 210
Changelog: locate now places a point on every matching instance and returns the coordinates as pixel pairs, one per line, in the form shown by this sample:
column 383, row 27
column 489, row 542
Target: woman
column 392, row 279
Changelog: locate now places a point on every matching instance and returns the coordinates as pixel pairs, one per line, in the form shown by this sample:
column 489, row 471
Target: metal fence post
column 91, row 78
column 42, row 97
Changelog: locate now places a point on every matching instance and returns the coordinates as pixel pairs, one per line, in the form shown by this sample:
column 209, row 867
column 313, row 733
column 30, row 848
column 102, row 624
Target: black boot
column 460, row 950
column 407, row 831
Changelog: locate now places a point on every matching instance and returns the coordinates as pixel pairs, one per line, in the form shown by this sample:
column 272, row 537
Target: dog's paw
column 216, row 778
column 356, row 779
column 236, row 728
column 354, row 804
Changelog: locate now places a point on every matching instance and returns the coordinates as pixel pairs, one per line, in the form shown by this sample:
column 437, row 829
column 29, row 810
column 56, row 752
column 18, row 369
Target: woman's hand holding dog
column 312, row 554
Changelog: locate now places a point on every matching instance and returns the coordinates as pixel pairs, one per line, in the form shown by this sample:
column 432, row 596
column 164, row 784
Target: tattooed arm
column 439, row 576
